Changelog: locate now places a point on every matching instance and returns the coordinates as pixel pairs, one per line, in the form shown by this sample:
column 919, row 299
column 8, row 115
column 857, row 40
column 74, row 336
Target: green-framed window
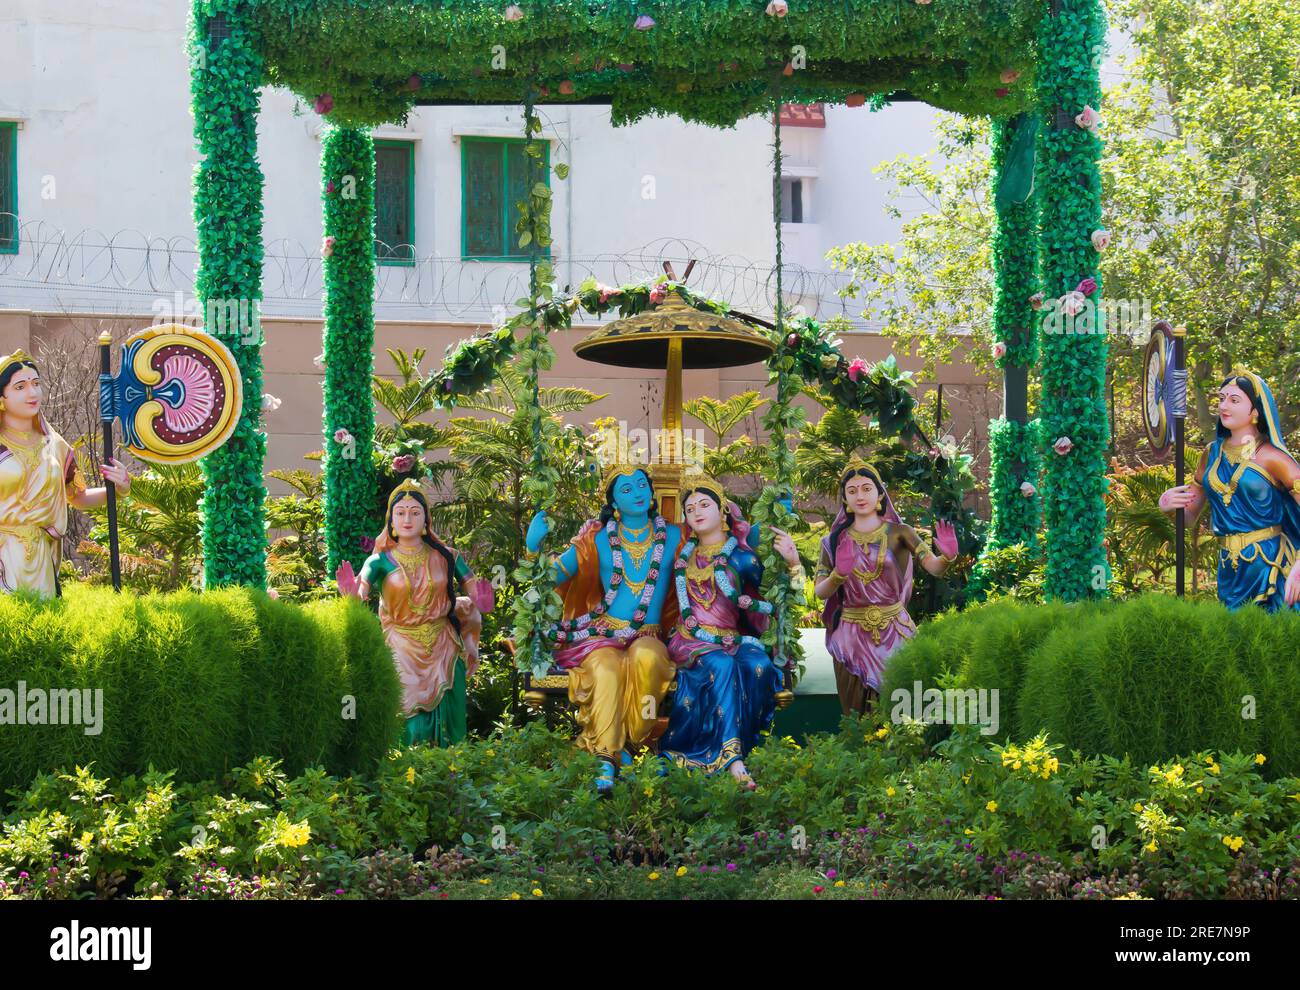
column 8, row 187
column 494, row 175
column 395, row 202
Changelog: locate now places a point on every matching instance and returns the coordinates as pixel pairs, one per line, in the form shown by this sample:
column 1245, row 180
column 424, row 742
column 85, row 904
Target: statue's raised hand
column 945, row 538
column 346, row 579
column 537, row 530
column 844, row 556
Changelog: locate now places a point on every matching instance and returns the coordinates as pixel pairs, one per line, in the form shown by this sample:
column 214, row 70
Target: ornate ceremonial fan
column 1158, row 387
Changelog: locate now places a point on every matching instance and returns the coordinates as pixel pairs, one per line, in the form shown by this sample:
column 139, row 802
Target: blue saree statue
column 726, row 682
column 1252, row 485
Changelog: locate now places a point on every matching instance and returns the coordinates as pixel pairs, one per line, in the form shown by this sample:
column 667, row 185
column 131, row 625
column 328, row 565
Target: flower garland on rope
column 580, row 628
column 722, row 579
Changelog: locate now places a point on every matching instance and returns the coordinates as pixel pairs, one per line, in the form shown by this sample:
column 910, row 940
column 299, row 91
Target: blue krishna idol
column 726, row 681
column 616, row 598
column 1252, row 485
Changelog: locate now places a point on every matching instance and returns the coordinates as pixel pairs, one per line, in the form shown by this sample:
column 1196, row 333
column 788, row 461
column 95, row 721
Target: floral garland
column 577, row 629
column 722, row 578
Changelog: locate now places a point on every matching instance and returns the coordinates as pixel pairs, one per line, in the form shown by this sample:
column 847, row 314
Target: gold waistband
column 29, row 536
column 1235, row 544
column 425, row 633
column 613, row 622
column 875, row 619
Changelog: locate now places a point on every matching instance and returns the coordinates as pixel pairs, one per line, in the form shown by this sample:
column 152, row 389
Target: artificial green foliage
column 225, row 77
column 1144, row 676
column 712, row 61
column 348, row 197
column 1015, row 258
column 202, row 682
column 1073, row 402
column 1015, row 455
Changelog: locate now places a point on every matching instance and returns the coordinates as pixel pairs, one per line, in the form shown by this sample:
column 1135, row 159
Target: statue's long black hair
column 607, row 510
column 453, row 581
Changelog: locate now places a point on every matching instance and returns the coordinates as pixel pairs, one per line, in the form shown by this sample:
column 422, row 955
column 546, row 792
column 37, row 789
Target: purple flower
column 644, row 23
column 367, row 544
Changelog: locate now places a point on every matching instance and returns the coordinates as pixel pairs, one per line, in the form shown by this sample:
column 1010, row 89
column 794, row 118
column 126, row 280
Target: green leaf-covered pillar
column 1013, row 439
column 225, row 76
column 1072, row 411
column 348, row 195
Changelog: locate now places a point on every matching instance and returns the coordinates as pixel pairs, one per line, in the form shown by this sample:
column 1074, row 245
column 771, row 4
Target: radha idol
column 1252, row 485
column 39, row 479
column 432, row 630
column 616, row 600
column 726, row 681
column 864, row 575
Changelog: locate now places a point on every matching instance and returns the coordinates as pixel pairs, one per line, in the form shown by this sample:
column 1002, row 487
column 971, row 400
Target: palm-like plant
column 1141, row 537
column 296, row 562
column 825, row 445
column 492, row 454
column 408, row 402
column 722, row 458
column 160, row 520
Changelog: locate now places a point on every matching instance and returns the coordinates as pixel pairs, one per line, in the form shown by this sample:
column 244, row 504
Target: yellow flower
column 970, row 831
column 537, row 891
column 1016, row 765
column 882, row 732
column 1234, row 842
column 648, row 791
column 491, row 752
column 485, row 880
column 410, row 775
column 653, row 876
column 1151, row 846
column 839, row 883
column 991, row 806
column 257, row 779
column 890, row 792
column 1209, row 759
column 1260, row 759
column 681, row 871
column 965, row 778
column 1200, row 790
column 514, row 895
column 1214, row 769
column 295, row 835
column 87, row 838
column 1138, row 807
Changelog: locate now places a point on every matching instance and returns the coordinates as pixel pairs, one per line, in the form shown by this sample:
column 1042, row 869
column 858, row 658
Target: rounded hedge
column 1143, row 677
column 201, row 682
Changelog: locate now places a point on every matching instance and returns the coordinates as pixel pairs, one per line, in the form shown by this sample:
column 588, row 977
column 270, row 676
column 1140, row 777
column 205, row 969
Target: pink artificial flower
column 1072, row 303
column 415, row 82
column 1027, row 489
column 566, row 87
column 403, row 463
column 607, row 292
column 342, row 437
column 367, row 544
column 923, row 3
column 272, row 593
column 778, row 8
column 855, row 99
column 644, row 23
column 792, row 340
column 323, row 104
column 329, row 186
column 1009, row 76
column 514, row 13
column 1063, row 445
column 999, row 350
column 327, row 246
column 1100, row 239
column 856, row 369
column 1088, row 286
column 625, row 66
column 658, row 293
column 1087, row 118
column 1036, row 301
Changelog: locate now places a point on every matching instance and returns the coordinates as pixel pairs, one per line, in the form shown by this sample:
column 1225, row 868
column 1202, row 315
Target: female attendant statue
column 864, row 575
column 432, row 631
column 39, row 479
column 1252, row 485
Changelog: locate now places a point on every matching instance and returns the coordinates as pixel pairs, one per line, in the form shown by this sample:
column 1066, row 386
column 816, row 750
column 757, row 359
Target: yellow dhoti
column 617, row 692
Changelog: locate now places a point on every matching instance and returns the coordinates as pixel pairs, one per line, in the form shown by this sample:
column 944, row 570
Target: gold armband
column 559, row 562
column 1295, row 488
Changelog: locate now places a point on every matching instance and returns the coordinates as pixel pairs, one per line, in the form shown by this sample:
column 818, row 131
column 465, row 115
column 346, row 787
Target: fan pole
column 106, row 416
column 1179, row 404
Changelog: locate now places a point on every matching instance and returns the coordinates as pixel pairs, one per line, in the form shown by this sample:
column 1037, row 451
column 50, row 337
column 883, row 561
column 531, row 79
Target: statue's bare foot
column 741, row 773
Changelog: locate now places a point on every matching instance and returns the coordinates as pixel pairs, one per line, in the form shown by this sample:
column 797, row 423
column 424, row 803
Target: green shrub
column 1145, row 676
column 202, row 683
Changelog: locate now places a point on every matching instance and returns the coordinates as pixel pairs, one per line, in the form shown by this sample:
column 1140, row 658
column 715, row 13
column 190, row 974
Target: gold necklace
column 636, row 550
column 634, row 534
column 878, row 538
column 1238, row 454
column 410, row 560
column 24, row 438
